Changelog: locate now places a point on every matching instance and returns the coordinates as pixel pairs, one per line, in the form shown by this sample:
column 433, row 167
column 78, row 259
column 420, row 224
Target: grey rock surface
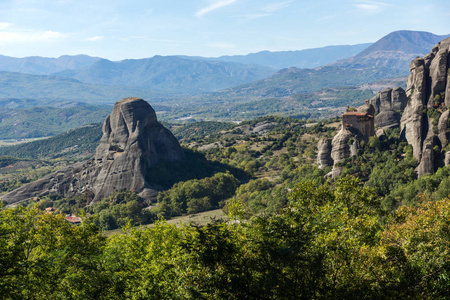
column 324, row 156
column 389, row 99
column 388, row 119
column 412, row 121
column 429, row 99
column 132, row 143
column 343, row 145
column 447, row 158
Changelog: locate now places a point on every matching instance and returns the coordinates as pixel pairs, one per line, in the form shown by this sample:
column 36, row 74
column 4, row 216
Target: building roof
column 72, row 219
column 355, row 113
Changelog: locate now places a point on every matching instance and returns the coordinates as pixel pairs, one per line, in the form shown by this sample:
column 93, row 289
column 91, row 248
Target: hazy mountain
column 44, row 87
column 291, row 81
column 395, row 51
column 308, row 58
column 387, row 58
column 45, row 121
column 169, row 73
column 45, row 65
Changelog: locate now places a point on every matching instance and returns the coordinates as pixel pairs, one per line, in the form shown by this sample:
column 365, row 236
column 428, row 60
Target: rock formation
column 133, row 142
column 324, row 157
column 360, row 125
column 388, row 104
column 356, row 127
column 424, row 123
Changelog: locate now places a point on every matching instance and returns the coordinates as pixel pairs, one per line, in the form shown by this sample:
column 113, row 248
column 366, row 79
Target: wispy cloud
column 266, row 11
column 371, row 7
column 24, row 36
column 4, row 26
column 95, row 38
column 276, row 6
column 214, row 6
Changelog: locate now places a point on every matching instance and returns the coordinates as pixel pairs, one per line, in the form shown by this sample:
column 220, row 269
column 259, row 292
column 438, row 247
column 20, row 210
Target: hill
column 308, row 58
column 381, row 60
column 45, row 65
column 47, row 87
column 395, row 50
column 44, row 121
column 80, row 142
column 169, row 73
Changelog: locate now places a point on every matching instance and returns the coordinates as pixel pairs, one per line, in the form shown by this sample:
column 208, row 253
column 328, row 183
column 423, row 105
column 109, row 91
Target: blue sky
column 143, row 28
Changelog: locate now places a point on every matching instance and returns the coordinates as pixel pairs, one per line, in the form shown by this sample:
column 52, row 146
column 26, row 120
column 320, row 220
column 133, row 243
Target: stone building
column 360, row 121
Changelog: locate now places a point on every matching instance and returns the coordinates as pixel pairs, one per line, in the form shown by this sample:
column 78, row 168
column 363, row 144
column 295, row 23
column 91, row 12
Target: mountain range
column 308, row 58
column 169, row 73
column 395, row 51
column 45, row 65
column 183, row 80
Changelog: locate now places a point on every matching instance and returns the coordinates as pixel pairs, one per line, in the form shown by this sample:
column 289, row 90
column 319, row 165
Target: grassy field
column 199, row 219
column 10, row 142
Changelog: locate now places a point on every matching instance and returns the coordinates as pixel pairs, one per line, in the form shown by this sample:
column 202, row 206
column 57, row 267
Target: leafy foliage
column 195, row 196
column 327, row 243
column 81, row 141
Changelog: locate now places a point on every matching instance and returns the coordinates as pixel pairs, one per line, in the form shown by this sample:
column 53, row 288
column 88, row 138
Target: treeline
column 125, row 207
column 33, row 122
column 195, row 195
column 77, row 142
column 329, row 242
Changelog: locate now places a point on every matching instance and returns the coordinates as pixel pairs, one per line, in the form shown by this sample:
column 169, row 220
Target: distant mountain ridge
column 45, row 65
column 169, row 73
column 383, row 59
column 395, row 50
column 46, row 87
column 308, row 58
column 171, row 77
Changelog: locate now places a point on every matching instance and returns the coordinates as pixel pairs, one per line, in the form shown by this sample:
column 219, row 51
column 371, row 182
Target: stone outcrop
column 388, row 104
column 356, row 127
column 133, row 142
column 324, row 157
column 360, row 125
column 424, row 123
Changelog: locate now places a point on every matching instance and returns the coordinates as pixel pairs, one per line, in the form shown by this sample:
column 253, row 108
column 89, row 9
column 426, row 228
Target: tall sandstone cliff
column 424, row 123
column 133, row 142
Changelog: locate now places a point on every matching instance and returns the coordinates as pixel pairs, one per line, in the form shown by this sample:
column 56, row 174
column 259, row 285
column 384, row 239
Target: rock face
column 424, row 123
column 132, row 143
column 324, row 157
column 388, row 104
column 356, row 126
column 360, row 125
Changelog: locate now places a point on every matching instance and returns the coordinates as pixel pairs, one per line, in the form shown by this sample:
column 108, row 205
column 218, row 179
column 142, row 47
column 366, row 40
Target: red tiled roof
column 72, row 219
column 355, row 113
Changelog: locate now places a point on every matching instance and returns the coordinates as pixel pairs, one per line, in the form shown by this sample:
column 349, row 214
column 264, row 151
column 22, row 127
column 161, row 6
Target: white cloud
column 95, row 38
column 10, row 37
column 371, row 7
column 4, row 26
column 214, row 6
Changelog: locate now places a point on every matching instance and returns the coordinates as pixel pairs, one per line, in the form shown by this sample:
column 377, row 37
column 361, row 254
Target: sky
column 120, row 29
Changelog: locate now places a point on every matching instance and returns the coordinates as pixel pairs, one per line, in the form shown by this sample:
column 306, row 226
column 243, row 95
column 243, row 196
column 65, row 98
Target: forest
column 377, row 232
column 331, row 241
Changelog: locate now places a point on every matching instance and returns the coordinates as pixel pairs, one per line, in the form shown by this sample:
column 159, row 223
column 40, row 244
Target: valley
column 225, row 178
